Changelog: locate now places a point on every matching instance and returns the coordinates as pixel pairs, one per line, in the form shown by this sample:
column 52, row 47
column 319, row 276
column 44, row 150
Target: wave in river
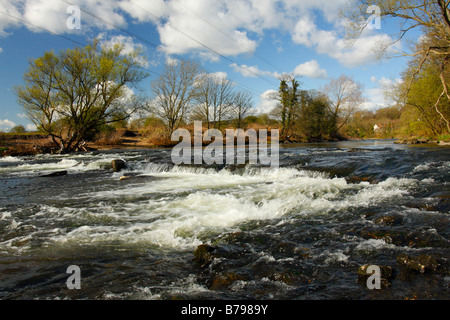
column 179, row 207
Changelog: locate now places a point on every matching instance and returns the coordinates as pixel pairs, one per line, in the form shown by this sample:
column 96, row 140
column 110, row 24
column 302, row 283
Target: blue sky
column 257, row 40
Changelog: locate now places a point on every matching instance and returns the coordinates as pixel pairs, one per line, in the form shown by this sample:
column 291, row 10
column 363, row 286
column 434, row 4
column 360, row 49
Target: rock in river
column 118, row 165
column 55, row 174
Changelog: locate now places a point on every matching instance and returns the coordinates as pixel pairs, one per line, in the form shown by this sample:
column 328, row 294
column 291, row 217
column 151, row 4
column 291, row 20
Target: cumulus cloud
column 386, row 82
column 7, row 20
column 364, row 50
column 206, row 28
column 266, row 102
column 6, row 124
column 129, row 46
column 376, row 96
column 52, row 15
column 251, row 71
column 310, row 69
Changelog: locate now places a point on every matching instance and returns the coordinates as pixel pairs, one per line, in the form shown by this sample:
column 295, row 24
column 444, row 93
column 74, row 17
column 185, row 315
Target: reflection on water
column 300, row 231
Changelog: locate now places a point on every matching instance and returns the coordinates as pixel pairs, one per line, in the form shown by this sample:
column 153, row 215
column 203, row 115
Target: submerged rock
column 389, row 220
column 55, row 174
column 224, row 280
column 413, row 239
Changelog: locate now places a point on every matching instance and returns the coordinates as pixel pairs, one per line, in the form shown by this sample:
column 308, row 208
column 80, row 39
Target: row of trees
column 73, row 95
column 423, row 97
column 314, row 115
column 184, row 91
column 70, row 96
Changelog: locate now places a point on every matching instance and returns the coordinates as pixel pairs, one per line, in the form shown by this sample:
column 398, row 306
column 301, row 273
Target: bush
column 18, row 129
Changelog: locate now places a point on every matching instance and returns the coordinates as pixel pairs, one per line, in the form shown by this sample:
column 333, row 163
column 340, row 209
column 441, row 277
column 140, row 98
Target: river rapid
column 300, row 231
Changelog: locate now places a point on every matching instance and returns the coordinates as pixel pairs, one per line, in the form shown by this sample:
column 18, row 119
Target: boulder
column 387, row 274
column 204, row 254
column 422, row 140
column 118, row 165
column 389, row 220
column 423, row 263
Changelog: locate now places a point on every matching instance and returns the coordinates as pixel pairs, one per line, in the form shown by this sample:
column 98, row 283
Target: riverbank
column 422, row 141
column 33, row 143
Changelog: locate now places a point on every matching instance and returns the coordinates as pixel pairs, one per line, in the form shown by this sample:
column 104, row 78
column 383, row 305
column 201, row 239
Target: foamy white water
column 194, row 203
column 299, row 231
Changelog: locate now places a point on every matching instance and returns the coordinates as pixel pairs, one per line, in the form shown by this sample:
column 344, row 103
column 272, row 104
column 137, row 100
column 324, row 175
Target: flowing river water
column 301, row 231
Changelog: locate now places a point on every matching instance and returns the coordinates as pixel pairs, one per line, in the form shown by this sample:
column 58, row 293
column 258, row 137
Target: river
column 300, row 231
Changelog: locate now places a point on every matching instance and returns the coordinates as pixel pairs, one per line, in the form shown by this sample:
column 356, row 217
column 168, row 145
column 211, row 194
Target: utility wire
column 228, row 35
column 42, row 28
column 133, row 35
column 195, row 40
column 63, row 37
column 124, row 31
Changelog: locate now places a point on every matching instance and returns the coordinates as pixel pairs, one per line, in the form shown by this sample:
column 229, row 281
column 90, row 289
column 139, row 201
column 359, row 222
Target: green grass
column 444, row 137
column 24, row 134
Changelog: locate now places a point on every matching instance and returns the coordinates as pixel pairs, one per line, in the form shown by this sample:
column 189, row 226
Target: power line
column 124, row 31
column 193, row 39
column 63, row 37
column 133, row 35
column 228, row 35
column 42, row 28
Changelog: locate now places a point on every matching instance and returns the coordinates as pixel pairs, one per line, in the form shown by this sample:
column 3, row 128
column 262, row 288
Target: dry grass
column 113, row 138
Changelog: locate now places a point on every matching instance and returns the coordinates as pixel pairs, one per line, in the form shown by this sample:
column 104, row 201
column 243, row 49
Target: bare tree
column 345, row 96
column 242, row 106
column 215, row 94
column 430, row 16
column 174, row 92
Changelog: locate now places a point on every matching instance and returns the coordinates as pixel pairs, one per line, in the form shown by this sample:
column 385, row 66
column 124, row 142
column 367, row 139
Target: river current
column 300, row 231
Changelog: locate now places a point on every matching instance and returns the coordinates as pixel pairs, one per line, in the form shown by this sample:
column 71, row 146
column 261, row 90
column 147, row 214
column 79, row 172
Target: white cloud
column 252, row 71
column 386, row 82
column 266, row 102
column 31, row 127
column 129, row 46
column 52, row 15
column 207, row 27
column 6, row 21
column 376, row 97
column 310, row 69
column 364, row 50
column 21, row 115
column 6, row 124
